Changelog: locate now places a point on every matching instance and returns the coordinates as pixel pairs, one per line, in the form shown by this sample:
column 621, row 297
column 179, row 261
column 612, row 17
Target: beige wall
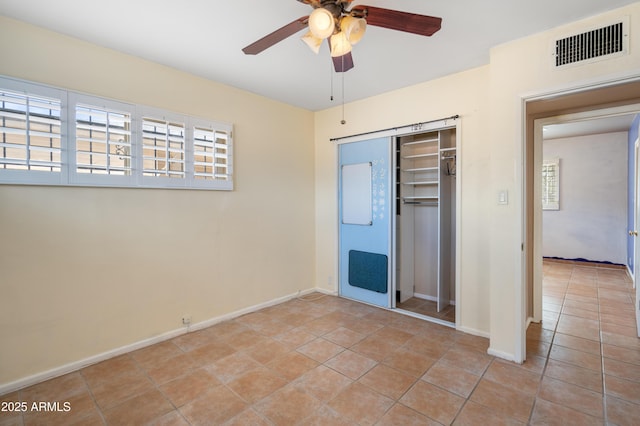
column 489, row 100
column 85, row 271
column 465, row 94
column 522, row 69
column 89, row 270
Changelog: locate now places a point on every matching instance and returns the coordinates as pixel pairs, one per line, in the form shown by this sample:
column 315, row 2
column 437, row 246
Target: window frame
column 38, row 177
column 85, row 179
column 160, row 115
column 69, row 176
column 228, row 129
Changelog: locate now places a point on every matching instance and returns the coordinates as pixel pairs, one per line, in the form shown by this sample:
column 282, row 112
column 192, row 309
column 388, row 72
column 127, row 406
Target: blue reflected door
column 365, row 213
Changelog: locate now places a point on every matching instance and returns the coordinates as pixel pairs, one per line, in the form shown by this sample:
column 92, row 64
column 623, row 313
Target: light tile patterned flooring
column 329, row 361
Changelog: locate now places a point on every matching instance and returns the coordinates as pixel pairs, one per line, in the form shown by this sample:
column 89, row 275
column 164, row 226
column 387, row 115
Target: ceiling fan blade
column 400, row 21
column 276, row 36
column 343, row 63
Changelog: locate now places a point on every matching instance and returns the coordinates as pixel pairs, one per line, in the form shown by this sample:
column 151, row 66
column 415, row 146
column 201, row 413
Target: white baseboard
column 325, row 291
column 77, row 365
column 473, row 331
column 6, row 388
column 530, row 320
column 431, row 298
column 499, row 354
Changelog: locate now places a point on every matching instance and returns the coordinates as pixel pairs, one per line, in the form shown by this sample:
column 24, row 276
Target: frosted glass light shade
column 312, row 41
column 353, row 28
column 321, row 23
column 339, row 44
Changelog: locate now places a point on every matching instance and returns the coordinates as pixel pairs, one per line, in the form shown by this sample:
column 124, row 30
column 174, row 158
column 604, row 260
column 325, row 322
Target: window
column 163, row 144
column 103, row 141
column 30, row 135
column 551, row 185
column 211, row 154
column 51, row 136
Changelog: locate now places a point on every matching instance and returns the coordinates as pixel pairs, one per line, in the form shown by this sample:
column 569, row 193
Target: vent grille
column 589, row 45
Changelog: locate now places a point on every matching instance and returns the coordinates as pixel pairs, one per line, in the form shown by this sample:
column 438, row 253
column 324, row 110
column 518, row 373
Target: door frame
column 529, row 292
column 636, row 224
column 636, row 210
column 537, row 185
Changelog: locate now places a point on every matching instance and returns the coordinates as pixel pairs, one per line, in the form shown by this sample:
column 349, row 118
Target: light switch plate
column 503, row 198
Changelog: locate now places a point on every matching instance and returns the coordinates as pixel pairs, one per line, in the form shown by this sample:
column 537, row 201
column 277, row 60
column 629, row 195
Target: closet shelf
column 407, row 157
column 423, row 197
column 447, row 149
column 422, row 182
column 422, row 203
column 421, row 142
column 421, row 169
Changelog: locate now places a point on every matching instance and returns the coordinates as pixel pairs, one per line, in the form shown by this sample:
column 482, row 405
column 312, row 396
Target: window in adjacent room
column 551, row 184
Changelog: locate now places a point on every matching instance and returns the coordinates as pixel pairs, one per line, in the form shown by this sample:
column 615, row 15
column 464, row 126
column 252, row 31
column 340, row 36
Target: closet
column 425, row 237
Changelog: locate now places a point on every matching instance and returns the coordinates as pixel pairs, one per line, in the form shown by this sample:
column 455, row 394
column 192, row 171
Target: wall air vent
column 591, row 45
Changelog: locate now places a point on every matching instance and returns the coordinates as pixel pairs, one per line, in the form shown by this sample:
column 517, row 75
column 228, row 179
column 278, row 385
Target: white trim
column 520, row 291
column 530, row 320
column 474, row 332
column 431, row 298
column 503, row 355
column 458, row 224
column 324, row 291
column 77, row 365
column 6, row 388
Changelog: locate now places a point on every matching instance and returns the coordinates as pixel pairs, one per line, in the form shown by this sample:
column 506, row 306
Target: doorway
column 616, row 99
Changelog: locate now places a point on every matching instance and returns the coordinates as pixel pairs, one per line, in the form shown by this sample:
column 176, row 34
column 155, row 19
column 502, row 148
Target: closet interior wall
column 425, row 222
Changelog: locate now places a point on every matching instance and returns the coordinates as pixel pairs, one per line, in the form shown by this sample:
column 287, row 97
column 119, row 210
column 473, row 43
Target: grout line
column 93, row 397
column 546, row 359
column 604, row 385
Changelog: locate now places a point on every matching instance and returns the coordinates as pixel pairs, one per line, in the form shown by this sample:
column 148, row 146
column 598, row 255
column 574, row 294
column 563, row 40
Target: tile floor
column 429, row 308
column 329, row 361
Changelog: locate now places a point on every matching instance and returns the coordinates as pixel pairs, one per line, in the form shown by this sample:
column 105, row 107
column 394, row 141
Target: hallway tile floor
column 323, row 360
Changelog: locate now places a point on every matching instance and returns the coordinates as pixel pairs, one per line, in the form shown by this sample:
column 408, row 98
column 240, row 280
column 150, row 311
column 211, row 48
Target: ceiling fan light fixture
column 340, row 46
column 312, row 41
column 321, row 23
column 354, row 28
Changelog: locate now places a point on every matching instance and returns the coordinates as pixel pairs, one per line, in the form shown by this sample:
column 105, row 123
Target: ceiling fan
column 343, row 28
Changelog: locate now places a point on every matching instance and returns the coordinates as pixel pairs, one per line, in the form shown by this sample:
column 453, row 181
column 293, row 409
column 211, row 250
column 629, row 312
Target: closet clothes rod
column 415, row 127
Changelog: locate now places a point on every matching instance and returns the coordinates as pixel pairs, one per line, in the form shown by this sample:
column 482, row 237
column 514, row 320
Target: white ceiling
column 620, row 123
column 205, row 37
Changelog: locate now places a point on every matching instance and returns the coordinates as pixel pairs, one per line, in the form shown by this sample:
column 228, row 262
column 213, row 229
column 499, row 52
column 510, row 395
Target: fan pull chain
column 331, row 79
column 343, row 121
